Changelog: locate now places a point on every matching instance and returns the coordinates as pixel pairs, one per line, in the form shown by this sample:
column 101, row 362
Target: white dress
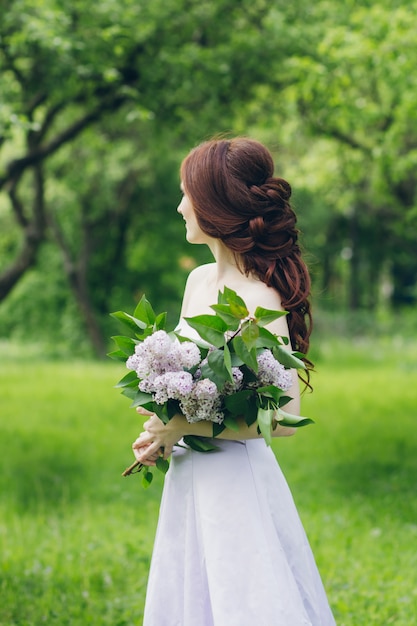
column 230, row 549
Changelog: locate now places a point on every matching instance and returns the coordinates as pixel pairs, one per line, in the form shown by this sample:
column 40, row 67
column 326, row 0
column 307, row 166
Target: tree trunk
column 81, row 293
column 33, row 229
column 354, row 275
column 76, row 273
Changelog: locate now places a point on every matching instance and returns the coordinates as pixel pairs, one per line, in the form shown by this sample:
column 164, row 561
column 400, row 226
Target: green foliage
column 347, row 140
column 101, row 102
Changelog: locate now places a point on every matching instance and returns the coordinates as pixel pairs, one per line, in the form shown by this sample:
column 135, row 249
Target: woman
column 230, row 549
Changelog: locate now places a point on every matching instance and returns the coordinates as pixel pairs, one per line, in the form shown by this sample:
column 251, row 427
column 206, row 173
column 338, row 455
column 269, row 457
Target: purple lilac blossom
column 232, row 387
column 203, row 403
column 190, row 354
column 159, row 354
column 174, row 385
column 271, row 372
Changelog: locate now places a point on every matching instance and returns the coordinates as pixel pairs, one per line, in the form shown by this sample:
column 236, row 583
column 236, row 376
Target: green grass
column 76, row 538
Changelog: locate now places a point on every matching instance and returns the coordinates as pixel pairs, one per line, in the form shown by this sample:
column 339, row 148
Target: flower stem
column 129, row 470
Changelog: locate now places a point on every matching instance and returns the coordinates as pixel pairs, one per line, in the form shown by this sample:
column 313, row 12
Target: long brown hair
column 237, row 199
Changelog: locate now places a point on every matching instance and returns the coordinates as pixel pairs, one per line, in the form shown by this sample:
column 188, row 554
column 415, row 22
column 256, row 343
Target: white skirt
column 230, row 549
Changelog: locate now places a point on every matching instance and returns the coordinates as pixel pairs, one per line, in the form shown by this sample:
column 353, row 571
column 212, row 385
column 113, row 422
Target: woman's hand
column 157, row 438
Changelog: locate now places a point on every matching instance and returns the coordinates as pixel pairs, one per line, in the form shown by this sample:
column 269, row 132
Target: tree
column 357, row 88
column 70, row 66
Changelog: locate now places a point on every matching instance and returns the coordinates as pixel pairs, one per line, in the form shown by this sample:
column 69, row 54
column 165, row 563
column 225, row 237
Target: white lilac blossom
column 159, row 354
column 271, row 372
column 174, row 385
column 232, row 387
column 190, row 354
column 204, row 403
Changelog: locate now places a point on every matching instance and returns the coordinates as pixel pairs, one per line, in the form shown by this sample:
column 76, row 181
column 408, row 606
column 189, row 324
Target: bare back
column 201, row 292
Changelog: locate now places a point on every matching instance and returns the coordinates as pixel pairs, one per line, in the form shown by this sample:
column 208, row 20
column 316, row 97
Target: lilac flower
column 204, row 403
column 271, row 372
column 159, row 354
column 232, row 387
column 147, row 384
column 172, row 385
column 190, row 354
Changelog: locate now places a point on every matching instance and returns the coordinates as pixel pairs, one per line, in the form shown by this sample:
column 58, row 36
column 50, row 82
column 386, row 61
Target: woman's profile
column 230, row 549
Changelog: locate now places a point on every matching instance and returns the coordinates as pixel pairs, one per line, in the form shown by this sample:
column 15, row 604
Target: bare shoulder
column 199, row 273
column 196, row 280
column 255, row 293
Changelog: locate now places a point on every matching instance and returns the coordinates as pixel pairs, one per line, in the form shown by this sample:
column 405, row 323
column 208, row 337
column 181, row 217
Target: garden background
column 98, row 105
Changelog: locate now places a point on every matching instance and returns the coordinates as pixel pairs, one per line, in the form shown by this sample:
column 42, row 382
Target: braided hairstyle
column 237, row 199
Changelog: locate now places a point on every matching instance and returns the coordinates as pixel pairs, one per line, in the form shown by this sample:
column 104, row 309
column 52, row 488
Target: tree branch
column 48, row 119
column 10, row 62
column 17, row 166
column 17, row 205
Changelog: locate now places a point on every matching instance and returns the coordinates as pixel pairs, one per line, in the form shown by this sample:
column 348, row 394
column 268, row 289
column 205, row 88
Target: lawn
column 76, row 537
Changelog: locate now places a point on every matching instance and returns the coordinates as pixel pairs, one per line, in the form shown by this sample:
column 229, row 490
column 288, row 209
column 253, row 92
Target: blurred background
column 99, row 103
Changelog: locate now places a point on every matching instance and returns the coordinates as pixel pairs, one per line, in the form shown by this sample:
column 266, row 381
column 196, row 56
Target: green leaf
column 144, row 312
column 287, row 359
column 218, row 379
column 231, row 423
column 238, row 403
column 295, row 421
column 130, row 380
column 228, row 360
column 250, row 334
column 266, row 316
column 210, row 328
column 147, row 477
column 224, row 311
column 218, row 428
column 161, row 410
column 284, row 400
column 217, row 363
column 125, row 344
column 270, row 391
column 239, row 311
column 236, row 361
column 267, row 339
column 248, row 356
column 140, row 398
column 172, row 408
column 160, row 321
column 237, row 305
column 117, row 355
column 129, row 320
column 201, row 444
column 130, row 392
column 162, row 464
column 265, row 417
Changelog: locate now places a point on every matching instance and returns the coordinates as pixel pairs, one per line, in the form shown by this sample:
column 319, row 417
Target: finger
column 138, row 454
column 142, row 442
column 150, row 423
column 166, row 452
column 144, row 457
column 148, row 463
column 143, row 411
column 147, row 453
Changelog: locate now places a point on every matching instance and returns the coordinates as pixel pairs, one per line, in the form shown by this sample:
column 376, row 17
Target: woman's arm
column 158, row 439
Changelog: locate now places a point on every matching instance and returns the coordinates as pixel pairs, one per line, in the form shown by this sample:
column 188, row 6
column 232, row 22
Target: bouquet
column 236, row 369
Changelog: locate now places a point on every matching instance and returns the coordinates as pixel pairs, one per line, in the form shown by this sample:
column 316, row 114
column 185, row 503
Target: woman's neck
column 228, row 271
